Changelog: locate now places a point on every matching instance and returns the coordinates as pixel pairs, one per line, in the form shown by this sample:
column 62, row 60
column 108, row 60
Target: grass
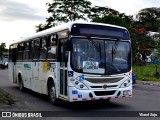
column 6, row 98
column 147, row 72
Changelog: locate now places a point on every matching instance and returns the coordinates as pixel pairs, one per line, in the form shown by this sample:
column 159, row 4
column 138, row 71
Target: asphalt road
column 146, row 99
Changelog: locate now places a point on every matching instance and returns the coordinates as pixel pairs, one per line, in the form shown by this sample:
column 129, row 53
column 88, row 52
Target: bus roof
column 60, row 28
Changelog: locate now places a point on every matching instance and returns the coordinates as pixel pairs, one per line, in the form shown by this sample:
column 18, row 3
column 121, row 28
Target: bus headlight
column 126, row 83
column 78, row 83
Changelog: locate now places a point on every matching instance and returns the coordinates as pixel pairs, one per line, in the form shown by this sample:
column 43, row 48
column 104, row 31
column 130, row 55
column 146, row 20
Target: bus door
column 14, row 65
column 63, row 67
column 35, row 70
column 36, row 63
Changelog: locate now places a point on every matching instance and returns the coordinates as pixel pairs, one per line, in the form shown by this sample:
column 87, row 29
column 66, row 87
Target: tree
column 3, row 49
column 148, row 18
column 115, row 20
column 42, row 27
column 64, row 11
column 98, row 11
column 3, row 45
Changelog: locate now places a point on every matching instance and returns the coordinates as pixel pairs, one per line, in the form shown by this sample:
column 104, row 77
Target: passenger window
column 36, row 49
column 52, row 49
column 11, row 53
column 20, row 51
column 43, row 49
column 26, row 54
column 32, row 49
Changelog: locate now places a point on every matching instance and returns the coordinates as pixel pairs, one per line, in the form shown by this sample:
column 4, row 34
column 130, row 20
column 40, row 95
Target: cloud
column 12, row 11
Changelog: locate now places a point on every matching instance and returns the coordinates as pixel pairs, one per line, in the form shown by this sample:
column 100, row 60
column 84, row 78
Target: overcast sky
column 18, row 18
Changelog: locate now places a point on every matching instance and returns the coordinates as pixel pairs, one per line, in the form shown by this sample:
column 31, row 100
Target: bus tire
column 108, row 100
column 52, row 93
column 21, row 85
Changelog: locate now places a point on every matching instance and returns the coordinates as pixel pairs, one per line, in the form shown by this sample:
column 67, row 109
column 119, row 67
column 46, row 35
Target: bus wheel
column 21, row 86
column 108, row 100
column 52, row 94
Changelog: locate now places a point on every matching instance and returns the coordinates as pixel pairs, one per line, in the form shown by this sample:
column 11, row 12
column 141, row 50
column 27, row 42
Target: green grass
column 6, row 98
column 147, row 72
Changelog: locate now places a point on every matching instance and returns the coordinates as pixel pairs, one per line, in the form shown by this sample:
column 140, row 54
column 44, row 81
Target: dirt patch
column 6, row 98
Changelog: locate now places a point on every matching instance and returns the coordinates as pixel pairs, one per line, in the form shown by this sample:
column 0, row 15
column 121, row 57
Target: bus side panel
column 42, row 73
column 35, row 70
column 43, row 70
column 27, row 74
column 10, row 69
column 18, row 70
column 48, row 70
column 44, row 87
column 36, row 82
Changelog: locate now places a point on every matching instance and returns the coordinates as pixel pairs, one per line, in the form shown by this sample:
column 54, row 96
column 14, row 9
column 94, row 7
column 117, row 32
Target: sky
column 18, row 18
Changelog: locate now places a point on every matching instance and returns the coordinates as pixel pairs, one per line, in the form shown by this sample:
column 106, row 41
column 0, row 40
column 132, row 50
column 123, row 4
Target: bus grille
column 108, row 86
column 104, row 93
column 104, row 80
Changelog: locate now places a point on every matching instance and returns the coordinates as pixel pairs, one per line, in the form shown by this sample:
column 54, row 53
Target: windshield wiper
column 115, row 46
column 98, row 49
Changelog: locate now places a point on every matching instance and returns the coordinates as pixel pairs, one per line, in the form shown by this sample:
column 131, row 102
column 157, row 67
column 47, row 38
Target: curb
column 150, row 83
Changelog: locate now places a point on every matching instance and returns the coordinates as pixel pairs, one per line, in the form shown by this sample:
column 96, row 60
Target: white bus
column 77, row 61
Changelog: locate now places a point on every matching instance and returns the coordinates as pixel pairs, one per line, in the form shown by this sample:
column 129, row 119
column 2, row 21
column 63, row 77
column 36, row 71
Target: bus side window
column 63, row 50
column 11, row 53
column 52, row 49
column 32, row 49
column 26, row 55
column 36, row 49
column 43, row 49
column 20, row 51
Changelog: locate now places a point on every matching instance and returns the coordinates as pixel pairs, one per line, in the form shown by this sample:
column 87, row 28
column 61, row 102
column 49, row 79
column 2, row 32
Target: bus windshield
column 97, row 56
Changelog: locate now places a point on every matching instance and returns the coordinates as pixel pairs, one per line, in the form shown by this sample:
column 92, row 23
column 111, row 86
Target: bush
column 147, row 72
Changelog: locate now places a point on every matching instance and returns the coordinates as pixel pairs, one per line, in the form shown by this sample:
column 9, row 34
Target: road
column 145, row 98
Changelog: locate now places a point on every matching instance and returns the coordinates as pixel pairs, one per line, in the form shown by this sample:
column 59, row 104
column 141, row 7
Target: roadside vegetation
column 3, row 49
column 6, row 98
column 147, row 72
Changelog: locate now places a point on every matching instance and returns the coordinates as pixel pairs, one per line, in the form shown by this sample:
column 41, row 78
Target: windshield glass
column 100, row 56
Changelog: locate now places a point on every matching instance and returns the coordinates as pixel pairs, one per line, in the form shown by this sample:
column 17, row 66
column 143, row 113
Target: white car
column 3, row 65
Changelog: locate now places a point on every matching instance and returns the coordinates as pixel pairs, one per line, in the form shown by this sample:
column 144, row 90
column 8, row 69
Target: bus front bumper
column 83, row 95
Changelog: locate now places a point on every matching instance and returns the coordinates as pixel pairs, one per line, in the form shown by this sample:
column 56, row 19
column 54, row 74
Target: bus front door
column 14, row 66
column 63, row 67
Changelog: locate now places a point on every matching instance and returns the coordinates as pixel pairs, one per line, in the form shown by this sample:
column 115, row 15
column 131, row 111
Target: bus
column 76, row 61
